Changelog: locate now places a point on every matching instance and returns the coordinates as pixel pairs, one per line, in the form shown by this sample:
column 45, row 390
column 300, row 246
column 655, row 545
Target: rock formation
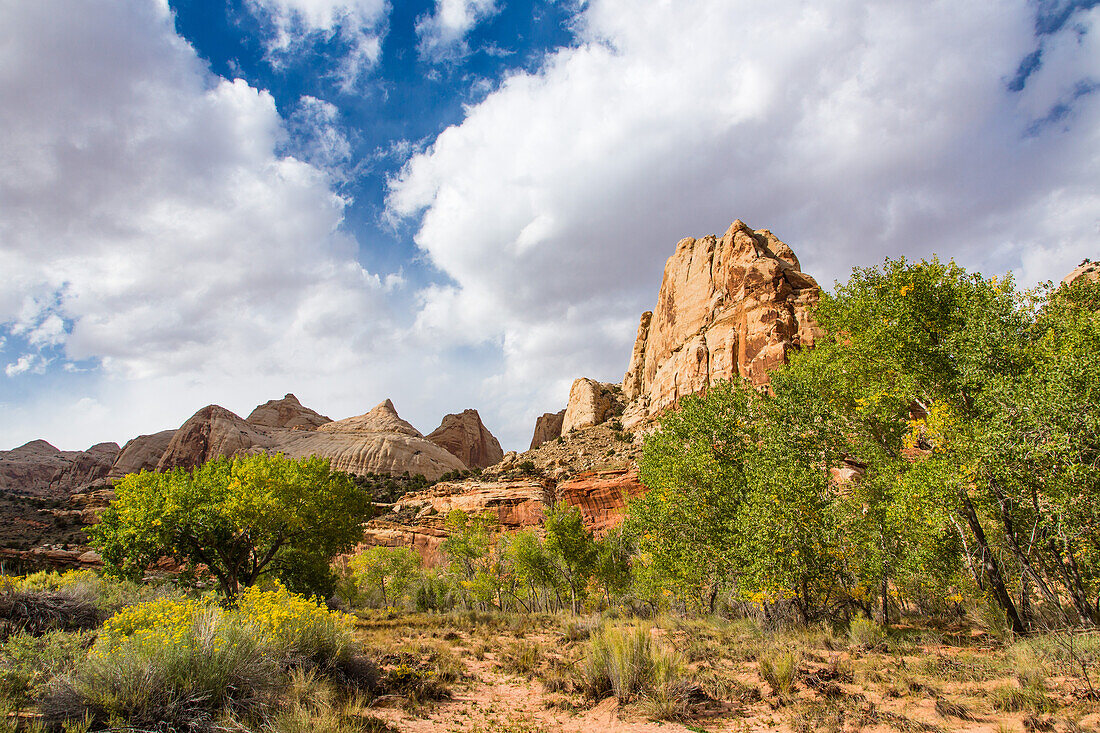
column 729, row 307
column 29, row 469
column 547, row 427
column 590, row 403
column 1088, row 270
column 286, row 413
column 601, row 496
column 142, row 453
column 87, row 468
column 467, row 438
column 212, row 432
column 515, row 503
column 377, row 442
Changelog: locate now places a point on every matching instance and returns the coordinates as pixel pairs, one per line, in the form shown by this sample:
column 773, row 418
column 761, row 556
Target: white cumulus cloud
column 359, row 23
column 852, row 129
column 443, row 33
column 149, row 226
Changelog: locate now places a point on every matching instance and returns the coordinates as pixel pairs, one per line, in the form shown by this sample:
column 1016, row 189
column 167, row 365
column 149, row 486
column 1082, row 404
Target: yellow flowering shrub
column 294, row 624
column 45, row 580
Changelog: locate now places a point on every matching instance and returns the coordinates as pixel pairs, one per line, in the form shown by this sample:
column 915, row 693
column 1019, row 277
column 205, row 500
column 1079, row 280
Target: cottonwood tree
column 240, row 518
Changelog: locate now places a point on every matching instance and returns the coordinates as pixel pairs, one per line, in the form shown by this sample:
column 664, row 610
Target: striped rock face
column 729, row 307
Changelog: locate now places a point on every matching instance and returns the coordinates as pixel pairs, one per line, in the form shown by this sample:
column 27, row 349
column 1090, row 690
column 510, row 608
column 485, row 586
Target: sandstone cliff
column 547, row 427
column 87, row 468
column 466, row 437
column 142, row 453
column 729, row 307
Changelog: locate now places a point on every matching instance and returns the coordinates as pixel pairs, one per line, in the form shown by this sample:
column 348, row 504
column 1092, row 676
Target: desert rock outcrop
column 212, row 432
column 30, row 468
column 590, row 403
column 729, row 307
column 466, row 437
column 87, row 468
column 515, row 504
column 286, row 413
column 601, row 496
column 1088, row 270
column 142, row 453
column 547, row 428
column 377, row 442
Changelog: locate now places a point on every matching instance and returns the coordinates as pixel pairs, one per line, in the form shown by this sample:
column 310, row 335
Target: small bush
column 625, row 663
column 523, row 658
column 780, row 671
column 1033, row 699
column 863, row 633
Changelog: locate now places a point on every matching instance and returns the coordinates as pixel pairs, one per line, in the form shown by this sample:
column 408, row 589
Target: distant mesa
column 87, row 468
column 464, row 436
column 39, row 469
column 378, row 441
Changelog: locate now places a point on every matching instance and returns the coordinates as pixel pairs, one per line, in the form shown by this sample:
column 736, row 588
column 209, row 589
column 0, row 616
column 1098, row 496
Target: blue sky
column 467, row 203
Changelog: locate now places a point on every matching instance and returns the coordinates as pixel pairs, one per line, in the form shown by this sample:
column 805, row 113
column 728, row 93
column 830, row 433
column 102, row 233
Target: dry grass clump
column 522, row 658
column 866, row 635
column 627, row 664
column 1029, row 699
column 38, row 611
column 780, row 671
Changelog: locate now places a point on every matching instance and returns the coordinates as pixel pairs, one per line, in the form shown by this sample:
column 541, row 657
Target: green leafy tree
column 571, row 550
column 240, row 518
column 385, row 574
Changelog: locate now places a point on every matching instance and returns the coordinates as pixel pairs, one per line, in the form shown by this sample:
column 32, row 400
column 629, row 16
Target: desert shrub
column 780, row 671
column 28, row 662
column 295, row 627
column 108, row 595
column 627, row 664
column 185, row 662
column 181, row 673
column 863, row 633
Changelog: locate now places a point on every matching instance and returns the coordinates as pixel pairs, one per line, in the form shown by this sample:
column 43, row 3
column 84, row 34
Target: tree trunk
column 990, row 566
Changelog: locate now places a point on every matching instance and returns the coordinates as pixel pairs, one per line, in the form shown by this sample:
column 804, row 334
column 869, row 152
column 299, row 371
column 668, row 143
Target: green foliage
column 181, row 662
column 385, row 575
column 241, row 518
column 28, row 663
column 942, row 435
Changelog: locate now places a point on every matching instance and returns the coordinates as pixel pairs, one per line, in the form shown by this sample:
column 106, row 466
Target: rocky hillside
column 46, row 495
column 728, row 307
